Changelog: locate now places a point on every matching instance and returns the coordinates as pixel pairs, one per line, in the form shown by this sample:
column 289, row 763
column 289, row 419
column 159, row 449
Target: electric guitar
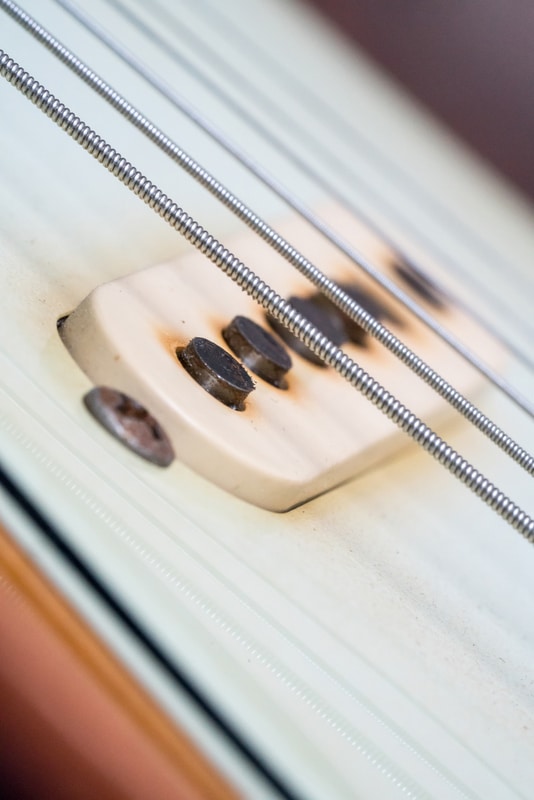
column 301, row 602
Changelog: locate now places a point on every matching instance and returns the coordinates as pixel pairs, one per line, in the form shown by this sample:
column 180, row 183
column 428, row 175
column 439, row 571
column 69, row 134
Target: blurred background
column 470, row 61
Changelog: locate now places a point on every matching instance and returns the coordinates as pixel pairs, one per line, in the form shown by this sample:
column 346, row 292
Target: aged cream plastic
column 373, row 642
column 287, row 446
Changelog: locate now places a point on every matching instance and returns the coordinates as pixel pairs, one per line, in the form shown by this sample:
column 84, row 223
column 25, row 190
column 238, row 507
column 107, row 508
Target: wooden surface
column 74, row 723
column 471, row 63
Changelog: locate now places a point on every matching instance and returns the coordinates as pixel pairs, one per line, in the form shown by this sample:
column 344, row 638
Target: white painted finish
column 375, row 641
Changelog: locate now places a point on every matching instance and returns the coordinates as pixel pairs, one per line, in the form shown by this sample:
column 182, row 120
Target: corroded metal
column 258, row 350
column 130, row 423
column 218, row 372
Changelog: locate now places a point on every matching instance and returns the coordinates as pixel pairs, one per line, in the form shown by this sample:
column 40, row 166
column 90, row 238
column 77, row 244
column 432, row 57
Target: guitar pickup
column 282, row 441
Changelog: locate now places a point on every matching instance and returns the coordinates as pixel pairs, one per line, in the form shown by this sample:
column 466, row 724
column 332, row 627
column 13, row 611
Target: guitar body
column 377, row 640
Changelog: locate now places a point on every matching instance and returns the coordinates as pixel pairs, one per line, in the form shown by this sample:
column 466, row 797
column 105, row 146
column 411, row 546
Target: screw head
column 131, row 424
column 218, row 372
column 259, row 350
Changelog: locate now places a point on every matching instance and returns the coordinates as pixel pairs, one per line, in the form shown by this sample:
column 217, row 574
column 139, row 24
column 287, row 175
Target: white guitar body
column 377, row 641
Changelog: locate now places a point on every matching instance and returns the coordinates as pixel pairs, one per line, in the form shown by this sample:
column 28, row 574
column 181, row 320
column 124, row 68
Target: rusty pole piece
column 131, row 424
column 258, row 350
column 324, row 317
column 414, row 278
column 218, row 372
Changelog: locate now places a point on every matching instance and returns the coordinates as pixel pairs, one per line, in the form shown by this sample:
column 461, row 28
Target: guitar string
column 262, row 293
column 339, row 125
column 292, row 201
column 342, row 166
column 330, row 289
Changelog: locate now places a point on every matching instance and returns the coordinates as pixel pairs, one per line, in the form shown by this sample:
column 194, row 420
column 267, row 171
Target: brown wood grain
column 74, row 724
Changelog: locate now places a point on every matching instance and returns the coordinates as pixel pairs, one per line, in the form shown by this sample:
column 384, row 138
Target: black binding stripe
column 168, row 665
